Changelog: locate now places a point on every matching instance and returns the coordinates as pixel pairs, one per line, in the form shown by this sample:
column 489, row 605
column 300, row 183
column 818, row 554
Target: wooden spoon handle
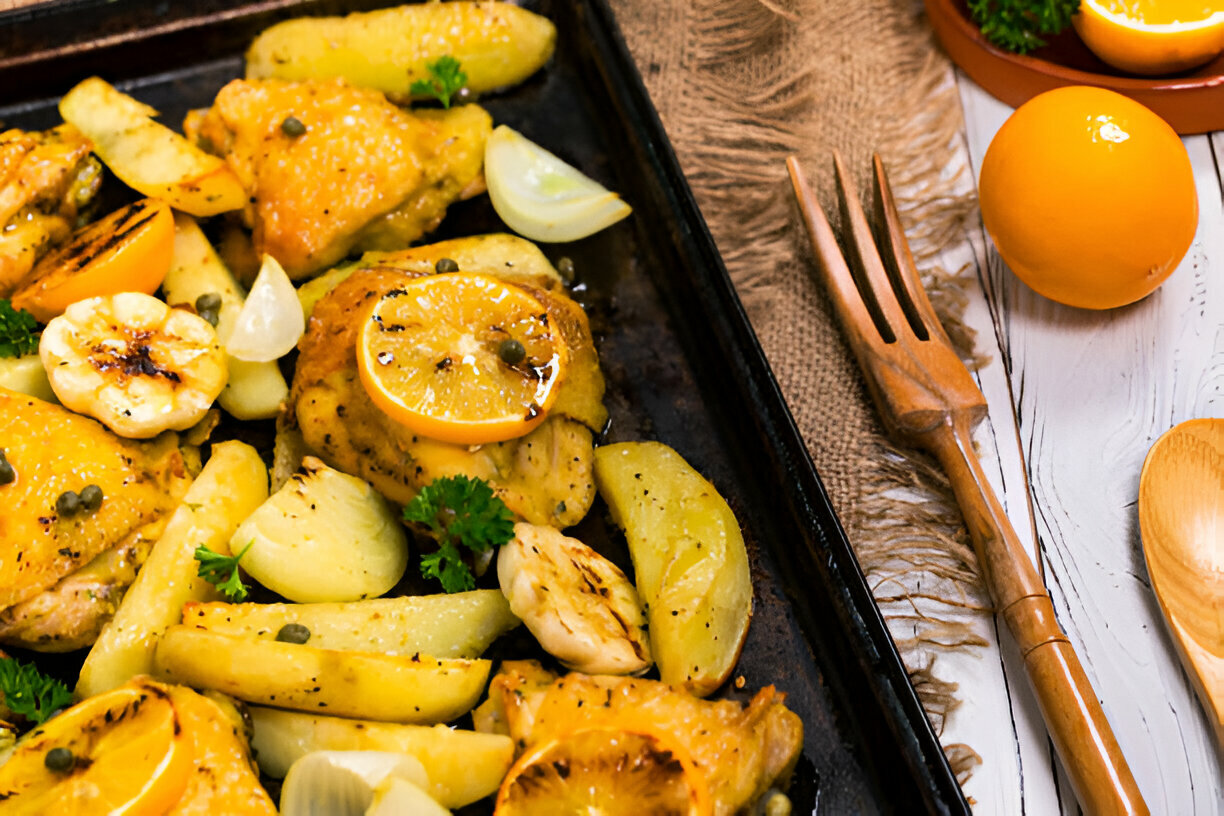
column 1082, row 736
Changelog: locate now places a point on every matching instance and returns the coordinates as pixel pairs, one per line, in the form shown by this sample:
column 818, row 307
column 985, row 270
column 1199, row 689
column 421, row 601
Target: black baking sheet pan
column 682, row 362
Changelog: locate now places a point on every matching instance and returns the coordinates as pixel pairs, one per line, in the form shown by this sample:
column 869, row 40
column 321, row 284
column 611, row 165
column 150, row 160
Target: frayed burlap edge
column 738, row 90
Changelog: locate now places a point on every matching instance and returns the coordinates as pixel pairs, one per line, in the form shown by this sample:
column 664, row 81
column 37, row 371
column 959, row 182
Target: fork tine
column 851, row 310
column 898, row 258
column 865, row 259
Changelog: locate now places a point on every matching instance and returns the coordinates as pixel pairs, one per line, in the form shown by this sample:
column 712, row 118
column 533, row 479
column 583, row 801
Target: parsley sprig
column 29, row 692
column 222, row 571
column 459, row 512
column 18, row 331
column 445, row 80
column 1021, row 25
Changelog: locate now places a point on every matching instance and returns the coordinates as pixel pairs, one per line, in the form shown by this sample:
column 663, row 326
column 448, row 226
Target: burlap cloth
column 739, row 85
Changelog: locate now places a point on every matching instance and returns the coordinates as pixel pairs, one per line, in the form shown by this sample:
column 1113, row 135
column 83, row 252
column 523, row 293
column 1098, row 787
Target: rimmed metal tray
column 682, row 362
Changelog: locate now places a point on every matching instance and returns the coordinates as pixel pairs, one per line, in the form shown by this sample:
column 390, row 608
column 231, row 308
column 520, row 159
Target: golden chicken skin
column 81, row 509
column 45, row 178
column 544, row 477
column 331, row 168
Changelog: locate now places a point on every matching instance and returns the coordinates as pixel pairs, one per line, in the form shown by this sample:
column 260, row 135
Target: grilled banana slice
column 133, row 363
column 579, row 605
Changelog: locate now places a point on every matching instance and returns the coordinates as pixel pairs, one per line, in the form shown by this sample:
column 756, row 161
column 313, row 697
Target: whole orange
column 1089, row 197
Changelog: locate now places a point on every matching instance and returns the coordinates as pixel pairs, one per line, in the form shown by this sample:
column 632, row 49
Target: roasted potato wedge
column 497, row 44
column 26, row 375
column 254, row 390
column 232, row 484
column 463, row 766
column 444, row 626
column 688, row 557
column 149, row 157
column 388, row 688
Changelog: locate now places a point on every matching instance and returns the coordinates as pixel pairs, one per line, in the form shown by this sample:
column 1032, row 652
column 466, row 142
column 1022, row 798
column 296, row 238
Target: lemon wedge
column 1152, row 37
column 541, row 197
column 271, row 321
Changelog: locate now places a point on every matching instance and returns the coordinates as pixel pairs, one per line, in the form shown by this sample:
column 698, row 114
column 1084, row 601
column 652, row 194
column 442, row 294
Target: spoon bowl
column 1181, row 521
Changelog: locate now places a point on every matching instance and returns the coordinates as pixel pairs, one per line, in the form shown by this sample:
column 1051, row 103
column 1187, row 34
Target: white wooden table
column 1076, row 400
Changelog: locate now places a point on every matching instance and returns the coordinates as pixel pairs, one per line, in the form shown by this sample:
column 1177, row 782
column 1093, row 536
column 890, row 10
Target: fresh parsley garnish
column 222, row 571
column 29, row 692
column 1021, row 25
column 445, row 80
column 459, row 512
column 18, row 331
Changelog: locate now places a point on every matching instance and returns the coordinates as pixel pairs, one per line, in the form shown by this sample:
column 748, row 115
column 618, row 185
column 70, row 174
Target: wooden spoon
column 1181, row 520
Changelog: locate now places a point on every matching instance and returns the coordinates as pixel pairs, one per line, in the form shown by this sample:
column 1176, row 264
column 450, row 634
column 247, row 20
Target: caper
column 293, row 127
column 211, row 316
column 511, row 351
column 91, row 497
column 208, row 302
column 566, row 267
column 464, row 94
column 68, row 503
column 293, row 633
column 7, row 474
column 59, row 760
column 445, row 265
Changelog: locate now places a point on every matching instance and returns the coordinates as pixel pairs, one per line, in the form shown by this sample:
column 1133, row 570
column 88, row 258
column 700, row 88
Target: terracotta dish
column 1192, row 102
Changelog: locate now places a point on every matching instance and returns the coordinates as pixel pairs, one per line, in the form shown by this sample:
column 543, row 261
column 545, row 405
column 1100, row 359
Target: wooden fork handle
column 1082, row 736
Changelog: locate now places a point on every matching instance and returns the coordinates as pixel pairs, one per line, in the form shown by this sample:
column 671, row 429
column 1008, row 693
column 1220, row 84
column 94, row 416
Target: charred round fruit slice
column 133, row 363
column 122, row 752
column 462, row 358
column 127, row 251
column 605, row 772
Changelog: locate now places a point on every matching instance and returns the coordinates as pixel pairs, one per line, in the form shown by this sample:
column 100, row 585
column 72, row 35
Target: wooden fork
column 928, row 399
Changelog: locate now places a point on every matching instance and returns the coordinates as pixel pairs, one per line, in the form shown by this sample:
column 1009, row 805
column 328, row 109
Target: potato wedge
column 444, row 626
column 497, row 44
column 463, row 766
column 324, row 536
column 231, row 486
column 688, row 557
column 149, row 157
column 26, row 375
column 254, row 390
column 388, row 688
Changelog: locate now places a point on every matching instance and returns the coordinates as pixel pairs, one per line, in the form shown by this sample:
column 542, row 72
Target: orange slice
column 1152, row 37
column 462, row 358
column 605, row 772
column 127, row 251
column 129, row 758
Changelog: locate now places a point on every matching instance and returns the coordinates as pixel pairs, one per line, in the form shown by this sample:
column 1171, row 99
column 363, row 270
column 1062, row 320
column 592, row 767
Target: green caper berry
column 293, row 127
column 511, row 351
column 7, row 474
column 445, row 265
column 566, row 267
column 68, row 503
column 59, row 760
column 211, row 316
column 293, row 633
column 210, row 302
column 91, row 497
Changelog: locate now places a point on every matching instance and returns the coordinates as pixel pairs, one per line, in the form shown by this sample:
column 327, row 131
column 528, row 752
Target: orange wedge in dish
column 462, row 358
column 605, row 772
column 127, row 251
column 129, row 757
column 1152, row 37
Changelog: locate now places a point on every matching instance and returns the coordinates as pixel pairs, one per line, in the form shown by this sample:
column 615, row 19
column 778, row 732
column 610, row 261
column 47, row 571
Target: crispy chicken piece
column 545, row 477
column 45, row 178
column 363, row 174
column 743, row 751
column 53, row 450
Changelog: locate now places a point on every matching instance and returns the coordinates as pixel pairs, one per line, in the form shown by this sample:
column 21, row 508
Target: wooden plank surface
column 1081, row 396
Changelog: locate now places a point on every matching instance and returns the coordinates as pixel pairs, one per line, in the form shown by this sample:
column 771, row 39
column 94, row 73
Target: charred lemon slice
column 122, row 753
column 605, row 772
column 462, row 358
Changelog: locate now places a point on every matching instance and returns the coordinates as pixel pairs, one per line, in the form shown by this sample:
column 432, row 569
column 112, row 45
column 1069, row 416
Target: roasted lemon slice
column 541, row 197
column 122, row 753
column 605, row 772
column 462, row 358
